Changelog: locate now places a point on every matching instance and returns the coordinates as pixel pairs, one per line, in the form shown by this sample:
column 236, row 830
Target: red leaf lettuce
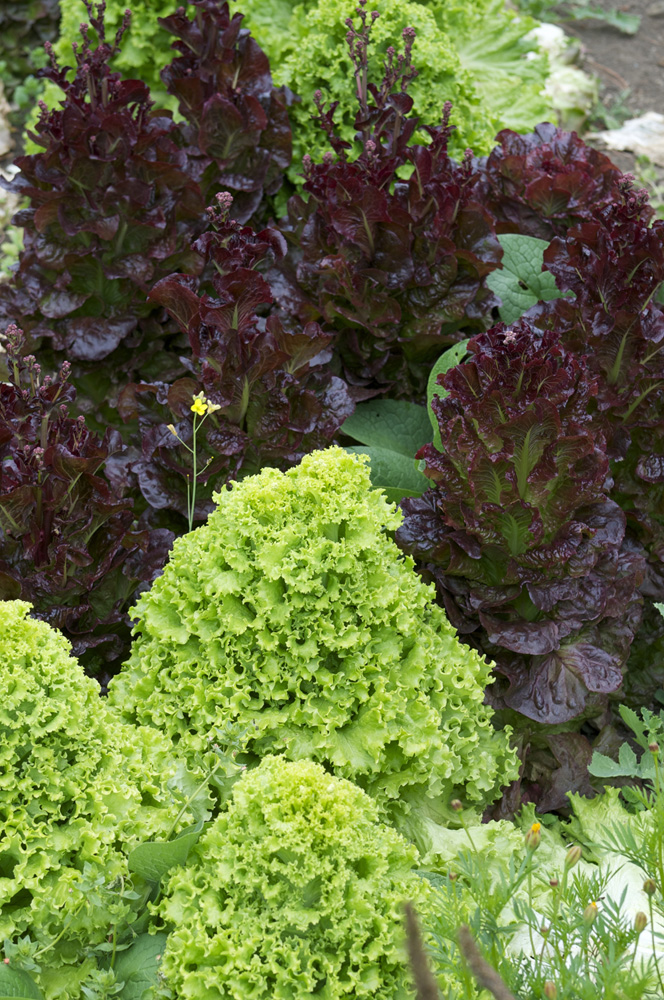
column 526, row 548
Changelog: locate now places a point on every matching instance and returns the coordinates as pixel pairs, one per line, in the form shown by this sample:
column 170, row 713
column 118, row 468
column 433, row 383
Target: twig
column 621, row 80
column 486, row 977
column 425, row 984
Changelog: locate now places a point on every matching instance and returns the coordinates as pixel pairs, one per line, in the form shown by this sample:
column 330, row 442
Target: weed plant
column 577, row 945
column 554, row 926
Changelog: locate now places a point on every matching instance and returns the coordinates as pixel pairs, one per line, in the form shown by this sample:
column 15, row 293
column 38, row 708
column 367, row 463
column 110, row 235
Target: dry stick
column 486, row 977
column 425, row 984
column 607, row 69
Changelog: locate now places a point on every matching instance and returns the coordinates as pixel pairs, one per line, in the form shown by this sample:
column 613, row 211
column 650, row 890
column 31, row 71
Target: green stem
column 191, row 494
column 208, row 777
column 47, row 947
column 115, row 926
column 467, row 832
column 530, row 903
column 654, row 945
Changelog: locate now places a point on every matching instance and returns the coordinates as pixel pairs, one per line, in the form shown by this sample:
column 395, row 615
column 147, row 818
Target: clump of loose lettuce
column 474, row 53
column 296, row 891
column 78, row 790
column 293, row 614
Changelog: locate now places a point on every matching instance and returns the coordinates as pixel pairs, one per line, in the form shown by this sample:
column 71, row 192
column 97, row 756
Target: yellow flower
column 213, row 407
column 533, row 836
column 200, row 404
column 172, row 429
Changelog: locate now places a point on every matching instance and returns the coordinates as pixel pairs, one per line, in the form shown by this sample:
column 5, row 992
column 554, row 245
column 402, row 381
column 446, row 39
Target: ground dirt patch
column 624, row 62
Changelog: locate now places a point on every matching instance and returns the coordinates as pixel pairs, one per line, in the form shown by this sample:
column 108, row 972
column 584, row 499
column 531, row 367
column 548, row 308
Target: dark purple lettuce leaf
column 544, row 183
column 69, row 543
column 526, row 548
column 275, row 396
column 112, row 208
column 395, row 268
column 554, row 765
column 614, row 266
column 237, row 131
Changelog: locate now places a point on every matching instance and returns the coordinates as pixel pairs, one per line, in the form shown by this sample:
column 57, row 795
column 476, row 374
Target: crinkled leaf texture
column 476, row 54
column 69, row 543
column 237, row 135
column 527, row 550
column 292, row 613
column 78, row 789
column 614, row 265
column 395, row 268
column 110, row 203
column 274, row 394
column 296, row 890
column 544, row 183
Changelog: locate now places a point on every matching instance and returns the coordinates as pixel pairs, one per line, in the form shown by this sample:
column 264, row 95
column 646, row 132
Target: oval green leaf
column 154, row 858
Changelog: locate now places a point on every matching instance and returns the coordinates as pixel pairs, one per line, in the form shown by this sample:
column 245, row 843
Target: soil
column 623, row 62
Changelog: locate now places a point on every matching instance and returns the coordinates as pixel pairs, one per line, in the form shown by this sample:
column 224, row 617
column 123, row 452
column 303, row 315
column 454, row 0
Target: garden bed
column 331, row 517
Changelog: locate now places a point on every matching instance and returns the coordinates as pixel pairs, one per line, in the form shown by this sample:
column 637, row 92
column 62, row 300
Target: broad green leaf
column 627, row 23
column 137, row 967
column 398, row 475
column 627, row 758
column 521, row 283
column 390, row 424
column 153, row 859
column 17, row 985
column 602, row 766
column 627, row 765
column 448, row 359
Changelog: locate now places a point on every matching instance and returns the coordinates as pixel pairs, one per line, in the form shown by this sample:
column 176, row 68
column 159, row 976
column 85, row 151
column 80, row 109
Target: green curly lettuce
column 296, row 891
column 293, row 614
column 310, row 53
column 475, row 54
column 78, row 789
